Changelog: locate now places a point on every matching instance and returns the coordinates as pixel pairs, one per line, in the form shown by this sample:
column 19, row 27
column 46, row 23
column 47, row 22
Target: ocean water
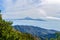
column 48, row 24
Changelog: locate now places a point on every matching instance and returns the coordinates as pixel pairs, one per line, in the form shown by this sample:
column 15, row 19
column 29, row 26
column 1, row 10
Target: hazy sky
column 32, row 8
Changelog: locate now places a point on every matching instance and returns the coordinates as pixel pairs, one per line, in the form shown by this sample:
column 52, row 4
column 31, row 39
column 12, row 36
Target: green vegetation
column 58, row 35
column 7, row 32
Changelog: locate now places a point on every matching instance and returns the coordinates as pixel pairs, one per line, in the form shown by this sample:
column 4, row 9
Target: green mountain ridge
column 7, row 32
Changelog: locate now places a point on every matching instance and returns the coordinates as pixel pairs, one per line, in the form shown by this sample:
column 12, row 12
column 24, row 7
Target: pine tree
column 0, row 15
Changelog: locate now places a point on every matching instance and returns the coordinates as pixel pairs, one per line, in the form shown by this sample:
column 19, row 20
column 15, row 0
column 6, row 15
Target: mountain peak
column 27, row 17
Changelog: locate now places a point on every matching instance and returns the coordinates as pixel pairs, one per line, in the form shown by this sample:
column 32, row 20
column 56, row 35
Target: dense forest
column 7, row 32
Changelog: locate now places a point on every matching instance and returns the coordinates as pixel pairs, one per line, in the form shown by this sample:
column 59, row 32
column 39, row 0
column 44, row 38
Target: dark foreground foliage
column 8, row 33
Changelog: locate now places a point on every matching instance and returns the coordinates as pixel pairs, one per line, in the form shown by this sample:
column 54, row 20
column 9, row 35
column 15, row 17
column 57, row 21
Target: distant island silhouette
column 28, row 18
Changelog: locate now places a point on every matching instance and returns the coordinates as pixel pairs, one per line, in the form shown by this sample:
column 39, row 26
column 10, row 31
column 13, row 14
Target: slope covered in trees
column 7, row 32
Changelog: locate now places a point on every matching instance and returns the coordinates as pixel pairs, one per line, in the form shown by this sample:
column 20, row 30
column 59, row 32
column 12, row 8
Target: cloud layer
column 31, row 8
column 22, row 8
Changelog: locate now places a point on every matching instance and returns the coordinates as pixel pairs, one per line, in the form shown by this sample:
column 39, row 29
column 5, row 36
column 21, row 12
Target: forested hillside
column 8, row 33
